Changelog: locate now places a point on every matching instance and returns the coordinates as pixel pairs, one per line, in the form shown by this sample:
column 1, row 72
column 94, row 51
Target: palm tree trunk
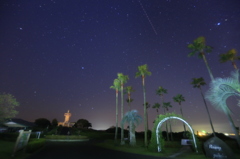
column 166, row 126
column 208, row 68
column 171, row 130
column 132, row 134
column 234, row 65
column 145, row 113
column 234, row 129
column 182, row 116
column 122, row 127
column 116, row 128
column 207, row 112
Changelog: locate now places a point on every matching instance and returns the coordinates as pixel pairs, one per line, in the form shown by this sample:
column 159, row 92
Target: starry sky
column 64, row 55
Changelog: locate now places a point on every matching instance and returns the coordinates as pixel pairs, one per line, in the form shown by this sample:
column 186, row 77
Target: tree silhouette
column 198, row 83
column 123, row 79
column 179, row 99
column 116, row 86
column 143, row 72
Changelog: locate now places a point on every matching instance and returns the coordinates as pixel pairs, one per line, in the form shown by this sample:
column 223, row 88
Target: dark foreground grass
column 171, row 149
column 7, row 147
column 63, row 137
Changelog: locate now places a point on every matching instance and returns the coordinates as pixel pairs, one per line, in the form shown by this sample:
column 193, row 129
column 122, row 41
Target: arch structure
column 173, row 117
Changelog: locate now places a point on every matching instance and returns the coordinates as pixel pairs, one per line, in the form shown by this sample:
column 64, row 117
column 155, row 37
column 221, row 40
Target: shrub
column 34, row 144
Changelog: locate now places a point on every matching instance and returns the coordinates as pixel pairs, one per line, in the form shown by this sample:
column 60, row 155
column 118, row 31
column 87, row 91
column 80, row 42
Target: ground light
column 173, row 117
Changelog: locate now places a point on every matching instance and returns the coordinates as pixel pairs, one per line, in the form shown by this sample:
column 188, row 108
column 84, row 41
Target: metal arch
column 173, row 117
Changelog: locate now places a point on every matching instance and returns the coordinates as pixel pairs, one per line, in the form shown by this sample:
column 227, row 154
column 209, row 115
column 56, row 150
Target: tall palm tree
column 161, row 91
column 143, row 72
column 156, row 106
column 133, row 119
column 179, row 99
column 199, row 46
column 123, row 79
column 167, row 105
column 198, row 83
column 116, row 86
column 231, row 55
column 220, row 90
column 129, row 89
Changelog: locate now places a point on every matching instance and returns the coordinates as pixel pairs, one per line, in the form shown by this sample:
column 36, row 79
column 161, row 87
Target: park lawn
column 139, row 149
column 6, row 151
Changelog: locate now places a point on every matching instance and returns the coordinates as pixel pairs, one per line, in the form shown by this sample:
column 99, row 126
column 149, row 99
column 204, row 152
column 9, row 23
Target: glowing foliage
column 221, row 89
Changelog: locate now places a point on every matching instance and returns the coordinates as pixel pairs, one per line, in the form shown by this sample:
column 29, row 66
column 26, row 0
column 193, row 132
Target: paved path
column 82, row 150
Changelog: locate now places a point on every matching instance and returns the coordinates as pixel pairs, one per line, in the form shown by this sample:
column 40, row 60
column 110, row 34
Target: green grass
column 6, row 148
column 6, row 151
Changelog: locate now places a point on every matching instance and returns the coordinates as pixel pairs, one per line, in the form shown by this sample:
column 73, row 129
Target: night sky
column 59, row 55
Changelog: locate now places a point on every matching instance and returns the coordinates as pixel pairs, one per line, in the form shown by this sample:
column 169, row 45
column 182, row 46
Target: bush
column 34, row 144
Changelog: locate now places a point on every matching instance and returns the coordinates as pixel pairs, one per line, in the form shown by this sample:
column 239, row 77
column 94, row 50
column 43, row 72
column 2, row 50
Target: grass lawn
column 6, row 151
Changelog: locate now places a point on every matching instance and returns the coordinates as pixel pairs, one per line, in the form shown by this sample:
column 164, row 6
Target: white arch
column 173, row 117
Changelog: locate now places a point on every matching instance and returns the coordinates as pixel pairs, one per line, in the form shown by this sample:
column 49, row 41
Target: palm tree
column 197, row 83
column 179, row 99
column 231, row 55
column 220, row 90
column 156, row 106
column 143, row 71
column 123, row 79
column 133, row 119
column 161, row 91
column 116, row 86
column 147, row 106
column 129, row 89
column 199, row 46
column 167, row 105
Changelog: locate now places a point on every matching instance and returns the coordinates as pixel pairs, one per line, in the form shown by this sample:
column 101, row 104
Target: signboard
column 186, row 142
column 22, row 140
column 217, row 149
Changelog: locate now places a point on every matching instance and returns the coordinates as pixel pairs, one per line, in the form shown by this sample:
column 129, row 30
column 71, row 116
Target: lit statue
column 67, row 117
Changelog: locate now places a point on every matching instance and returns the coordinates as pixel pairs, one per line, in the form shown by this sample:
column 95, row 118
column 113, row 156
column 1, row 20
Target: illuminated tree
column 133, row 119
column 198, row 83
column 143, row 71
column 231, row 55
column 7, row 106
column 179, row 99
column 116, row 86
column 156, row 106
column 218, row 93
column 123, row 79
column 129, row 89
column 199, row 46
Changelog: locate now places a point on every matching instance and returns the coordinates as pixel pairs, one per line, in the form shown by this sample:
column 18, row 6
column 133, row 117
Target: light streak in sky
column 148, row 18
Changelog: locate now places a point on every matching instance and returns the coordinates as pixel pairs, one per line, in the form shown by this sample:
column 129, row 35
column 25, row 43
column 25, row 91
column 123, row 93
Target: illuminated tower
column 67, row 117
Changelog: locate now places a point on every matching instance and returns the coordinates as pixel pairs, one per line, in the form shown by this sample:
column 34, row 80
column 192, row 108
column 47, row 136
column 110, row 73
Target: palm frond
column 221, row 89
